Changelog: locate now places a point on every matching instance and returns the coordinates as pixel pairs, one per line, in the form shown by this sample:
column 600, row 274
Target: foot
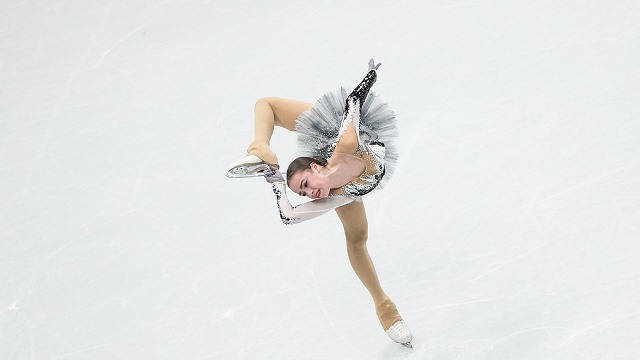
column 393, row 324
column 400, row 333
column 248, row 166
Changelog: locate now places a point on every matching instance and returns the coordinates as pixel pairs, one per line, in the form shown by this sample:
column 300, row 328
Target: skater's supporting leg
column 268, row 113
column 354, row 221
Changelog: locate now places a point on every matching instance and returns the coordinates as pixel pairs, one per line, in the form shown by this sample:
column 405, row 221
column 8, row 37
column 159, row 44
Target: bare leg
column 268, row 113
column 354, row 221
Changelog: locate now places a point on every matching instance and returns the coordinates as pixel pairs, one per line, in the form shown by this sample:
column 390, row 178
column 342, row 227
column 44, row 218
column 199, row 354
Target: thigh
column 354, row 221
column 286, row 111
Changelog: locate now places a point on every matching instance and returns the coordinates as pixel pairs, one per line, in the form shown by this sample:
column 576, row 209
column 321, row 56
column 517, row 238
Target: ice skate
column 393, row 324
column 248, row 166
column 400, row 333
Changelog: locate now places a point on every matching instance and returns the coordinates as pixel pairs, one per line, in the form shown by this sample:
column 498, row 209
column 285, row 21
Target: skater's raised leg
column 268, row 113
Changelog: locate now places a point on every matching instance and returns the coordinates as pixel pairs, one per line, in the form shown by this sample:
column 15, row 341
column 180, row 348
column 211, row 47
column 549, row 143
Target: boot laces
column 400, row 328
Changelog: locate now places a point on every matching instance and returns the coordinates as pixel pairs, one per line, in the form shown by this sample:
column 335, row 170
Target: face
column 311, row 182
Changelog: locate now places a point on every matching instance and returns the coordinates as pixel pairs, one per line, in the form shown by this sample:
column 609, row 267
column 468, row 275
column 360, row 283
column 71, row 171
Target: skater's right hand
column 273, row 175
column 373, row 65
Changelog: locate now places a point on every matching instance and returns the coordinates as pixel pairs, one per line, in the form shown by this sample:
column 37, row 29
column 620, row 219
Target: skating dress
column 323, row 130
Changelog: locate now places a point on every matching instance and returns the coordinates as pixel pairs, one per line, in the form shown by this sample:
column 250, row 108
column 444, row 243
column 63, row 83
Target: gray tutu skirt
column 317, row 128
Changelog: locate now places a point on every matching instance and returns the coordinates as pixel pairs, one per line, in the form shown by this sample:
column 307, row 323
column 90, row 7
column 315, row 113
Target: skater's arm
column 306, row 211
column 309, row 210
column 349, row 133
column 359, row 94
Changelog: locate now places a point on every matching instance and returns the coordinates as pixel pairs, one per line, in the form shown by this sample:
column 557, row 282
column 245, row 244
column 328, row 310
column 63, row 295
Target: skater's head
column 306, row 177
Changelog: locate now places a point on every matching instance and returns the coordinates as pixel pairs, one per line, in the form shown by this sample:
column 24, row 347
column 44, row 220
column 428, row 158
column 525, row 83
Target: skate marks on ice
column 560, row 340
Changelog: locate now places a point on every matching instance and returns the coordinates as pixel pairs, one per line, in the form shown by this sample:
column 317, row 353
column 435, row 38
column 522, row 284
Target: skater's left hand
column 373, row 65
column 273, row 175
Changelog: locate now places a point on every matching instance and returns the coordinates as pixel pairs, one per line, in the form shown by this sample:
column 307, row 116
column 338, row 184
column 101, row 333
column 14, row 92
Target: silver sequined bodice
column 373, row 156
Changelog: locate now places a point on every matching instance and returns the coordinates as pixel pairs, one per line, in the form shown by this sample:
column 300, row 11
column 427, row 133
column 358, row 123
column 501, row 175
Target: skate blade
column 247, row 170
column 407, row 345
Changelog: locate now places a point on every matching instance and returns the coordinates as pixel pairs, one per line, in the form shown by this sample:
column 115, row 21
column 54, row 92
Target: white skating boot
column 400, row 333
column 393, row 324
column 248, row 166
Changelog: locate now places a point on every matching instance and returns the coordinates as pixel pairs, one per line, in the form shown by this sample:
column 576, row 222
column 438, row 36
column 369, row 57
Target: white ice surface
column 510, row 231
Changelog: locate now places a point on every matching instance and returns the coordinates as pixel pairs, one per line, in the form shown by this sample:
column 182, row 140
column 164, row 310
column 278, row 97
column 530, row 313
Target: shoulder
column 346, row 145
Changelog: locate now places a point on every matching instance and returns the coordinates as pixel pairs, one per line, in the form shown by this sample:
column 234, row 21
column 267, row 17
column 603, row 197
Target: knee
column 261, row 105
column 264, row 101
column 357, row 238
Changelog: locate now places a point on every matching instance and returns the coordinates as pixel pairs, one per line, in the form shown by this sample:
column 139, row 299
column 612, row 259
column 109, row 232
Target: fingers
column 269, row 173
column 373, row 65
column 273, row 175
column 274, row 171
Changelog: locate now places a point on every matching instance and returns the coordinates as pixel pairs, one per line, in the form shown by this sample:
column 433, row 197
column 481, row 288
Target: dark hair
column 303, row 163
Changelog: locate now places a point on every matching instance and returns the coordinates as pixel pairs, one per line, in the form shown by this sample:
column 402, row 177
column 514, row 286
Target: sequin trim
column 286, row 220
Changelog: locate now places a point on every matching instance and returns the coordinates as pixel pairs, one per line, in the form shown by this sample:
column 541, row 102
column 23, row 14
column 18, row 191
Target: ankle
column 387, row 313
column 381, row 300
column 261, row 149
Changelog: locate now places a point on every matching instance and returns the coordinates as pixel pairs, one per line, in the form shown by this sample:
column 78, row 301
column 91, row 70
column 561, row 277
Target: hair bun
column 322, row 161
column 303, row 163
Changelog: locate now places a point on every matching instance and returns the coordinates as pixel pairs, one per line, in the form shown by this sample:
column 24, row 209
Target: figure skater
column 348, row 148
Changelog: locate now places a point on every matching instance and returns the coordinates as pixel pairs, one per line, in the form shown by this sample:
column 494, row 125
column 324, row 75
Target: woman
column 345, row 160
